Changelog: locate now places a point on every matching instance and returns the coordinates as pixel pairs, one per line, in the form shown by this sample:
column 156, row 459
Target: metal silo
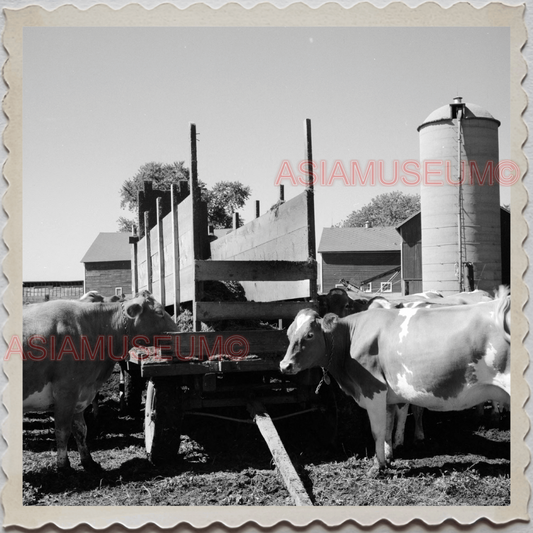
column 460, row 199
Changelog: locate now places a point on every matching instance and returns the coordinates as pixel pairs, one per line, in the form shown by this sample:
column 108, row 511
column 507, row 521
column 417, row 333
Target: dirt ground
column 228, row 463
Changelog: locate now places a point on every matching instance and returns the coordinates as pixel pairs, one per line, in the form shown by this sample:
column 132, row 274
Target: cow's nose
column 286, row 367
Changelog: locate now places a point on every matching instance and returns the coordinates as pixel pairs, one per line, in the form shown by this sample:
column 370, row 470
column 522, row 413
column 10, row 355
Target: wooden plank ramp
column 279, row 454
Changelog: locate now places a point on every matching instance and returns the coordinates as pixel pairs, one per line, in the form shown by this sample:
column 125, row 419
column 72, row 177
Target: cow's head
column 92, row 297
column 148, row 316
column 307, row 342
column 336, row 301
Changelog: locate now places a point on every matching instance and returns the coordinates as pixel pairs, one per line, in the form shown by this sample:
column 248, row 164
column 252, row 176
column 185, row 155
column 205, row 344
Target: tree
column 125, row 225
column 387, row 209
column 161, row 175
column 223, row 199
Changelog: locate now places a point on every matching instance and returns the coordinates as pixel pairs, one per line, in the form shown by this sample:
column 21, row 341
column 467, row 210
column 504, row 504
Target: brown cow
column 70, row 349
column 338, row 302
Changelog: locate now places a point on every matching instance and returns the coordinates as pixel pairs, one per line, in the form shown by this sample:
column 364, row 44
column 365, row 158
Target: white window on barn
column 118, row 291
column 367, row 287
column 386, row 286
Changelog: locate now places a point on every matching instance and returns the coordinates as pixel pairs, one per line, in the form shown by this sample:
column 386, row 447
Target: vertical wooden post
column 175, row 251
column 161, row 251
column 281, row 193
column 148, row 252
column 235, row 220
column 140, row 213
column 197, row 243
column 257, row 209
column 310, row 203
column 134, row 263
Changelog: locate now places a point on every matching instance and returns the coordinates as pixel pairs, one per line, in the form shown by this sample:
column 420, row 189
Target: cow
column 429, row 298
column 386, row 357
column 338, row 302
column 341, row 303
column 462, row 298
column 70, row 349
column 95, row 296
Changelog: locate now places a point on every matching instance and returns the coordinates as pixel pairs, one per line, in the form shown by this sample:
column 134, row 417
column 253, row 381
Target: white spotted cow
column 70, row 349
column 462, row 298
column 443, row 359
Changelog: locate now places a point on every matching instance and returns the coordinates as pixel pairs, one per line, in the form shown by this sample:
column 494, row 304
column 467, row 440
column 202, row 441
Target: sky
column 98, row 103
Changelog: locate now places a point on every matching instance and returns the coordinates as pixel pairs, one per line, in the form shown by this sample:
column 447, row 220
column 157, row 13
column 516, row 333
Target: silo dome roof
column 471, row 111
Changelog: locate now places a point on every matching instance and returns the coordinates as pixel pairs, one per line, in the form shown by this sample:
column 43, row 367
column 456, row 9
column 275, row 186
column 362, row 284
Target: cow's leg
column 80, row 433
column 377, row 413
column 392, row 411
column 418, row 413
column 496, row 413
column 401, row 417
column 63, row 428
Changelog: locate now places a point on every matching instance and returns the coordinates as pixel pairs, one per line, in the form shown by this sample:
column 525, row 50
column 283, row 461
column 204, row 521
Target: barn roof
column 109, row 247
column 384, row 239
column 412, row 218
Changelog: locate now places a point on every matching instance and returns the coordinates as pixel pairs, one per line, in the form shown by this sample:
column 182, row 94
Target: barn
column 108, row 265
column 43, row 291
column 367, row 257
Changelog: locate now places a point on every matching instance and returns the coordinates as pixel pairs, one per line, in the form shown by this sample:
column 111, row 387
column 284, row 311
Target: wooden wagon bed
column 273, row 258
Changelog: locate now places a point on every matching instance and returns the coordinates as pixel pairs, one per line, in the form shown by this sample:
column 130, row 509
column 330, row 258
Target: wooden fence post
column 196, row 226
column 148, row 248
column 175, row 250
column 134, row 266
column 310, row 203
column 161, row 251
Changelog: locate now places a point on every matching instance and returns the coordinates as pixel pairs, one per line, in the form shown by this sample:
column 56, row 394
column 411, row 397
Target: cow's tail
column 503, row 311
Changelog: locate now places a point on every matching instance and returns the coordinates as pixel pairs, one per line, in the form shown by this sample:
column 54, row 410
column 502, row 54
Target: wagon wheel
column 162, row 420
column 133, row 389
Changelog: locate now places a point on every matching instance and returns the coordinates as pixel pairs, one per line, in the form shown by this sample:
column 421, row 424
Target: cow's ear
column 329, row 322
column 133, row 309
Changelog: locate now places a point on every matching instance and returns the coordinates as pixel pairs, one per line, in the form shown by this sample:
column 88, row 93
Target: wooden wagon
column 273, row 258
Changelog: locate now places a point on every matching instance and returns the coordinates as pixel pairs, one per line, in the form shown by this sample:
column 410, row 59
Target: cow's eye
column 310, row 335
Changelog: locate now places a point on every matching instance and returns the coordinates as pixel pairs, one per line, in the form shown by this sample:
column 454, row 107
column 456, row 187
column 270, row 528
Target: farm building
column 108, row 265
column 411, row 261
column 43, row 291
column 368, row 258
column 460, row 218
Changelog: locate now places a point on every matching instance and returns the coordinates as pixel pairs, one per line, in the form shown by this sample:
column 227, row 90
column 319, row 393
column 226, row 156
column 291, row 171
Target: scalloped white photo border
column 365, row 14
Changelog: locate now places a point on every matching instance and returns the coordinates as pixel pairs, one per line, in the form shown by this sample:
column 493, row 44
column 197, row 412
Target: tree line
column 227, row 197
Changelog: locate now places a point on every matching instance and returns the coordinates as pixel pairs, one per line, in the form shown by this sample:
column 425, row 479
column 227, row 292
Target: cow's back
column 61, row 353
column 432, row 356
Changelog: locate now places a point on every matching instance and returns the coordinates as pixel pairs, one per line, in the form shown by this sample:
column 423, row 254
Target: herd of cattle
column 439, row 353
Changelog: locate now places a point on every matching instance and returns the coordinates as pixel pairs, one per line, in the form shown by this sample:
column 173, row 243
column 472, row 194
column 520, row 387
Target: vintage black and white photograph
column 270, row 265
